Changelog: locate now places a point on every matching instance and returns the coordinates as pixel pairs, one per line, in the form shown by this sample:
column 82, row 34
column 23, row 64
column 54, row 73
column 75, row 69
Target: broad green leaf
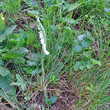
column 27, row 69
column 53, row 99
column 34, row 72
column 14, row 53
column 77, row 47
column 86, row 43
column 20, row 60
column 1, row 31
column 32, row 63
column 95, row 62
column 19, row 79
column 20, row 42
column 50, row 101
column 81, row 37
column 1, row 62
column 88, row 34
column 88, row 88
column 7, row 33
column 30, row 37
column 11, row 55
column 16, row 83
column 81, row 67
column 77, row 65
column 34, row 56
column 4, row 71
column 5, row 82
column 51, row 10
column 53, row 77
column 91, row 38
column 23, row 86
column 89, row 65
column 31, row 13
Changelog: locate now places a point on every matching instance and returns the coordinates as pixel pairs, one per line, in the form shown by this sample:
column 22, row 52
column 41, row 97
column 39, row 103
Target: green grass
column 78, row 39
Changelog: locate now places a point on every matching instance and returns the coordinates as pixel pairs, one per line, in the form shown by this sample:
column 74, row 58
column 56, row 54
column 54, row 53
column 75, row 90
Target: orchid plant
column 42, row 36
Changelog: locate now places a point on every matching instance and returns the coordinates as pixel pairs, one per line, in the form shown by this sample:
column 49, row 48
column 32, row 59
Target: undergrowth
column 75, row 74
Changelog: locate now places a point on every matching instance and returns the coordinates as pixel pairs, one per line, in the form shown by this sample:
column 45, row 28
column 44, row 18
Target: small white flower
column 42, row 35
column 44, row 49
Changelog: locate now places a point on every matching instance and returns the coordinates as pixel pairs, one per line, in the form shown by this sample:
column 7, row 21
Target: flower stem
column 43, row 77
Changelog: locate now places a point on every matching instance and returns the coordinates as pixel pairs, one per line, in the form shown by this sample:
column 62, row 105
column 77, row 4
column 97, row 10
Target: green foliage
column 5, row 81
column 19, row 82
column 51, row 101
column 7, row 32
column 2, row 24
column 78, row 42
column 83, row 41
column 53, row 79
column 10, row 5
column 90, row 88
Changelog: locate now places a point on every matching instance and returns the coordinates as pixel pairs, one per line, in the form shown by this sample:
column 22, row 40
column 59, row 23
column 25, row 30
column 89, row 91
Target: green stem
column 43, row 77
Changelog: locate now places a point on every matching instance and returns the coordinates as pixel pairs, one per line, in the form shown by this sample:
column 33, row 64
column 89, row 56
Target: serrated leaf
column 7, row 33
column 4, row 71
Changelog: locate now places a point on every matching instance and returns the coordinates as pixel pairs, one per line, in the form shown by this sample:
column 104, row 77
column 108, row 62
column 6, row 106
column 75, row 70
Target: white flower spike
column 42, row 35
